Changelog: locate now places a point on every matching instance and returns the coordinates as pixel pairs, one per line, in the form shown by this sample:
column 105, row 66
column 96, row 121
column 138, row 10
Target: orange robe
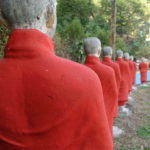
column 47, row 102
column 131, row 70
column 134, row 71
column 107, row 78
column 107, row 61
column 143, row 71
column 125, row 81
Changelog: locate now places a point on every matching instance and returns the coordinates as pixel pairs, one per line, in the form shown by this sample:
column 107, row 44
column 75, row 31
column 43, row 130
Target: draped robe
column 47, row 102
column 107, row 61
column 143, row 71
column 125, row 81
column 107, row 78
column 131, row 70
column 134, row 71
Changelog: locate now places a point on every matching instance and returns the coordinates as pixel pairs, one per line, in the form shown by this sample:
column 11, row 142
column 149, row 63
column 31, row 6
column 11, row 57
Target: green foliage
column 75, row 30
column 139, row 46
column 121, row 44
column 3, row 39
column 144, row 132
column 81, row 9
column 78, row 19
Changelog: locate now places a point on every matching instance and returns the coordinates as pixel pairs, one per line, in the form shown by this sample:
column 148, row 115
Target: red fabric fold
column 131, row 70
column 134, row 71
column 46, row 102
column 107, row 61
column 107, row 78
column 143, row 71
column 125, row 81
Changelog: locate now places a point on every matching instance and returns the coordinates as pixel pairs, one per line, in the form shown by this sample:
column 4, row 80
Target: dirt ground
column 136, row 127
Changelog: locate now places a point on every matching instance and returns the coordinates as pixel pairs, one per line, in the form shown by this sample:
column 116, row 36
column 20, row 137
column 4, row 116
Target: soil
column 134, row 138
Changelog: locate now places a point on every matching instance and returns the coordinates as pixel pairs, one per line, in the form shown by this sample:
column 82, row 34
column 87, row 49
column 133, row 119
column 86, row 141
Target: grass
column 144, row 87
column 125, row 148
column 130, row 148
column 144, row 132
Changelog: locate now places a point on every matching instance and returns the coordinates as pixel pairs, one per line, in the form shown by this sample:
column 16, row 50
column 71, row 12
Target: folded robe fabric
column 143, row 71
column 131, row 70
column 107, row 78
column 125, row 81
column 46, row 102
column 107, row 61
column 134, row 71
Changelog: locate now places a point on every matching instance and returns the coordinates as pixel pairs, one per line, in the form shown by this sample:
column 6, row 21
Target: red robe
column 107, row 61
column 143, row 71
column 107, row 78
column 125, row 81
column 134, row 71
column 131, row 70
column 47, row 102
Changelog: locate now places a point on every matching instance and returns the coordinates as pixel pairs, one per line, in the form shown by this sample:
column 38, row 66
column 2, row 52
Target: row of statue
column 51, row 103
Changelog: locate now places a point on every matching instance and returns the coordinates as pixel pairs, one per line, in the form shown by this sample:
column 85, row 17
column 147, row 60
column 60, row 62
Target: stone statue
column 125, row 78
column 134, row 68
column 30, row 14
column 131, row 58
column 46, row 102
column 126, row 55
column 143, row 70
column 119, row 53
column 92, row 48
column 143, row 59
column 107, row 53
column 131, row 69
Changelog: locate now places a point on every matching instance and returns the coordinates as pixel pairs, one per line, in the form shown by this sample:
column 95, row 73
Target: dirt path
column 136, row 127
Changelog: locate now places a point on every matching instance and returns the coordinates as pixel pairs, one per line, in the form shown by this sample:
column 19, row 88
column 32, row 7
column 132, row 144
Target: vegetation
column 85, row 18
column 144, row 131
column 78, row 19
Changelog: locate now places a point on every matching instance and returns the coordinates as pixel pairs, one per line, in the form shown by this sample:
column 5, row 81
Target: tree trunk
column 113, row 27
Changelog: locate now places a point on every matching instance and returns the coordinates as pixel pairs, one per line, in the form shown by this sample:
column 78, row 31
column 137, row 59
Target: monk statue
column 143, row 70
column 92, row 48
column 134, row 68
column 46, row 102
column 125, row 78
column 131, row 69
column 107, row 60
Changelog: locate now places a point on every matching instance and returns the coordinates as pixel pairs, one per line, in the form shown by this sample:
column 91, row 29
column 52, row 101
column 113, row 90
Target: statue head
column 126, row 55
column 119, row 53
column 107, row 51
column 29, row 14
column 131, row 58
column 143, row 59
column 92, row 46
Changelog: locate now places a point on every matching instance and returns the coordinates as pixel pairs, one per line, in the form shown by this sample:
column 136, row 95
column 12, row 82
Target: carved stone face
column 29, row 14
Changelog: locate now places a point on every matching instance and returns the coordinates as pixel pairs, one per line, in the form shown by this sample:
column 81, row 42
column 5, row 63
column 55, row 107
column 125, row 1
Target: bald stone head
column 92, row 46
column 131, row 58
column 119, row 53
column 107, row 51
column 29, row 14
column 143, row 59
column 126, row 55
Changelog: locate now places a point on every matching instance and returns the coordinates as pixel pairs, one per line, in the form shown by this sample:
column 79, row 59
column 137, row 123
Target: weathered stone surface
column 27, row 14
